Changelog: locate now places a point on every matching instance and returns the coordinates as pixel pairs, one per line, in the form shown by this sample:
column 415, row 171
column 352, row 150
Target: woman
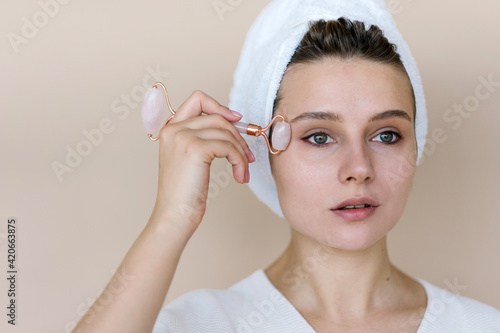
column 357, row 114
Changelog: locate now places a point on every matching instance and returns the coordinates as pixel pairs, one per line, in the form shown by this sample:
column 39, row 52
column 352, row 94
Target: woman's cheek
column 397, row 170
column 299, row 182
column 313, row 154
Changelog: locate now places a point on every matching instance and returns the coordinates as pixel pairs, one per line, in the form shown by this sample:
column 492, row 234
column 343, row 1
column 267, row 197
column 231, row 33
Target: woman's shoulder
column 202, row 310
column 214, row 310
column 449, row 311
column 252, row 287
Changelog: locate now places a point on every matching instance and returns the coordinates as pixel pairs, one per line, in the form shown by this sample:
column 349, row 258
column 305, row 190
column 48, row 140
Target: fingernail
column 237, row 114
column 252, row 155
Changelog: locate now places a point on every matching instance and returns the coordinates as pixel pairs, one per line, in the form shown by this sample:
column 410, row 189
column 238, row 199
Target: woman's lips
column 355, row 201
column 355, row 214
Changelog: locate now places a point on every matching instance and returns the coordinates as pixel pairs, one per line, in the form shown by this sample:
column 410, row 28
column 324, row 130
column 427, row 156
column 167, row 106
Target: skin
column 335, row 272
column 188, row 144
column 352, row 286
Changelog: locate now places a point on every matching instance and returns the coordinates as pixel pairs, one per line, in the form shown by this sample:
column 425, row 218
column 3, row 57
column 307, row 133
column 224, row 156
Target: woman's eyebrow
column 317, row 115
column 326, row 115
column 391, row 114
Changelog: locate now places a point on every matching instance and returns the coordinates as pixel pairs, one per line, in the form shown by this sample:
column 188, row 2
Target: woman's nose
column 355, row 165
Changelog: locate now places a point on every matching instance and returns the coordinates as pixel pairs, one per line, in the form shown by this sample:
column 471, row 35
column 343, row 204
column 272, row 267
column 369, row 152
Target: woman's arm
column 133, row 298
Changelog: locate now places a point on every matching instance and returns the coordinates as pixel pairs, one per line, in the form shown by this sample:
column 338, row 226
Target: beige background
column 71, row 75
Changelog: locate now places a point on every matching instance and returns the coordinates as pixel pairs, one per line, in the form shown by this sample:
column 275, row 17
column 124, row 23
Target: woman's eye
column 318, row 139
column 388, row 137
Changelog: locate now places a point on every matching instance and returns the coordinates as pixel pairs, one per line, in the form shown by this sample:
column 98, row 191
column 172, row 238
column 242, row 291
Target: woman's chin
column 346, row 240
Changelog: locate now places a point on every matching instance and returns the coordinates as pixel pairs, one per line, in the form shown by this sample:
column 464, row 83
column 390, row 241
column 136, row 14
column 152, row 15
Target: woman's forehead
column 338, row 88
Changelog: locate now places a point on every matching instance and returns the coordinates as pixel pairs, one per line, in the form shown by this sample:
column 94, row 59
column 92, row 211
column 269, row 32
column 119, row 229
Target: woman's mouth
column 355, row 213
column 356, row 209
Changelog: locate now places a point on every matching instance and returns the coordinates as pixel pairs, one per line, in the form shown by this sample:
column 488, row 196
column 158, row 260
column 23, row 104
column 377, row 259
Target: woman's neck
column 340, row 284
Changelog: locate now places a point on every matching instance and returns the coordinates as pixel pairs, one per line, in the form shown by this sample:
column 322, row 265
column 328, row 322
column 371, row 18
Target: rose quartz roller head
column 152, row 111
column 280, row 137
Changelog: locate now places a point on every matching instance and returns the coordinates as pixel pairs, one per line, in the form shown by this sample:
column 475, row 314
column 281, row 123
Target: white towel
column 269, row 46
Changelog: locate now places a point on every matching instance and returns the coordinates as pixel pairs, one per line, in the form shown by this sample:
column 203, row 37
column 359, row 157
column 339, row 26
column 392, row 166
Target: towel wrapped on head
column 268, row 48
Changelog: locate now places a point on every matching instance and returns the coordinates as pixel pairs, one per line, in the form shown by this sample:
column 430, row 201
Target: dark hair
column 345, row 39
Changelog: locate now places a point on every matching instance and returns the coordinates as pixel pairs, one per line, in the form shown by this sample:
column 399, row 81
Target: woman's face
column 352, row 138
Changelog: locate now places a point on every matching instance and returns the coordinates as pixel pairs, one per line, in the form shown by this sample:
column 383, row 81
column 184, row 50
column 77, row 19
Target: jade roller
column 153, row 108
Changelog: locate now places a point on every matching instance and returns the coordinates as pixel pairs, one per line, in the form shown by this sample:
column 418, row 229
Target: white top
column 255, row 305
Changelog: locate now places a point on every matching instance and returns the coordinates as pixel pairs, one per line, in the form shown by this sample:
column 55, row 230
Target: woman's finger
column 199, row 103
column 226, row 149
column 222, row 134
column 208, row 149
column 216, row 121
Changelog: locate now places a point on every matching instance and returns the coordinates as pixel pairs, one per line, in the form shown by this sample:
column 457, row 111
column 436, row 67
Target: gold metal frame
column 169, row 107
column 252, row 129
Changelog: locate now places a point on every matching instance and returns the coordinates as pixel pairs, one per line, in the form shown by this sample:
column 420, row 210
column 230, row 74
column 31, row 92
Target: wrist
column 170, row 226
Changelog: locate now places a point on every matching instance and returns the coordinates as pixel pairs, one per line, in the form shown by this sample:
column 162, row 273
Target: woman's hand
column 188, row 145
